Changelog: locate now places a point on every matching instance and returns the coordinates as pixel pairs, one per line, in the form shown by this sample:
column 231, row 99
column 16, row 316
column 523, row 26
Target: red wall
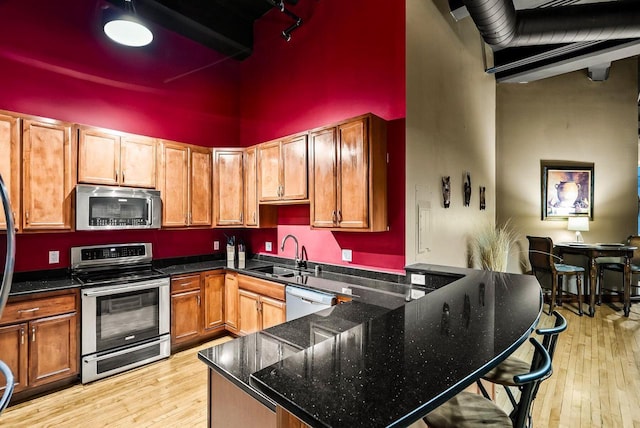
column 346, row 59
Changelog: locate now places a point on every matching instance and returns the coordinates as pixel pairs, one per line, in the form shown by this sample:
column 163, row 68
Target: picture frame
column 567, row 189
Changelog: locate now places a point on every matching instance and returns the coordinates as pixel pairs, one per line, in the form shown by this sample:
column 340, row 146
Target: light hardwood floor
column 596, row 383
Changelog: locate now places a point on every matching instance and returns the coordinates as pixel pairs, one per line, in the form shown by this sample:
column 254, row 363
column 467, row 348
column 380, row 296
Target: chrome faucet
column 296, row 242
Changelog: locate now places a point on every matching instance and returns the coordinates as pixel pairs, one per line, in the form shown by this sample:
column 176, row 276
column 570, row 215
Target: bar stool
column 633, row 241
column 504, row 373
column 542, row 258
column 471, row 410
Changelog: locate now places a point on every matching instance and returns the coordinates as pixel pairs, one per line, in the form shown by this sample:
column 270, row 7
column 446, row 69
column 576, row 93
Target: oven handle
column 124, row 351
column 107, row 291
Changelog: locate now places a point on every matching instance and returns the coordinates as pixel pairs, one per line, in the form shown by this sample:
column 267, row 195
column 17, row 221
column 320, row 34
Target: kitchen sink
column 282, row 271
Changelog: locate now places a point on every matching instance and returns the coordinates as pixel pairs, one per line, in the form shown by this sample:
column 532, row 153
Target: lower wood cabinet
column 260, row 304
column 39, row 339
column 197, row 307
column 231, row 302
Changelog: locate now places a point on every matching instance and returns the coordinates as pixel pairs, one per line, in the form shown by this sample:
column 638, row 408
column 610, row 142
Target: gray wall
column 569, row 117
column 450, row 129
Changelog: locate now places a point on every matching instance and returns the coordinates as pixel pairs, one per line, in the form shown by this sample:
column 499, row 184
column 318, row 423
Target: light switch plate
column 216, row 245
column 347, row 255
column 54, row 257
column 418, row 279
column 268, row 246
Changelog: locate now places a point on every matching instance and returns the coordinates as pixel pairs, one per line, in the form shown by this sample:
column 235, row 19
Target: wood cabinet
column 231, row 301
column 348, row 175
column 260, row 304
column 282, row 170
column 48, row 175
column 186, row 323
column 10, row 164
column 255, row 215
column 113, row 158
column 39, row 339
column 213, row 294
column 184, row 180
column 197, row 306
column 228, row 187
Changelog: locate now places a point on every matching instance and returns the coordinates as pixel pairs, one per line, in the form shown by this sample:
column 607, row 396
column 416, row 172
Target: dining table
column 594, row 251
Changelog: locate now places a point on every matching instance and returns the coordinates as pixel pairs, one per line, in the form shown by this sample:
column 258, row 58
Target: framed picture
column 567, row 190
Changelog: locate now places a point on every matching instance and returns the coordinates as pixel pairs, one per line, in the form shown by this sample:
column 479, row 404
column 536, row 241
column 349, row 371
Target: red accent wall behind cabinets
column 348, row 58
column 57, row 63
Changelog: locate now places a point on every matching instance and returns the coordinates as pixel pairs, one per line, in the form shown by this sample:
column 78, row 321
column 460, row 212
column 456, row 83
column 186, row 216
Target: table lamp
column 579, row 224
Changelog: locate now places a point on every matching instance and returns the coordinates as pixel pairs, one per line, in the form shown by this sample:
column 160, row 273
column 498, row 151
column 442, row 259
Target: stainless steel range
column 125, row 308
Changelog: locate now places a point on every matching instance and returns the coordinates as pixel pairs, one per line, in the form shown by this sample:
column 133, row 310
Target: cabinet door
column 213, row 290
column 200, row 187
column 13, row 351
column 228, row 182
column 273, row 312
column 323, row 178
column 269, row 184
column 138, row 161
column 353, row 175
column 250, row 188
column 98, row 157
column 231, row 301
column 294, row 168
column 10, row 164
column 185, row 317
column 47, row 175
column 249, row 304
column 53, row 349
column 174, row 184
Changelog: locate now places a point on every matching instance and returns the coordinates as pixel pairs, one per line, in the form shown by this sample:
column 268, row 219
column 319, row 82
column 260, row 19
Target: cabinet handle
column 198, row 299
column 241, row 217
column 116, row 175
column 280, row 190
column 33, row 334
column 339, row 216
column 24, row 311
column 22, row 336
column 190, row 218
column 254, row 216
column 123, row 176
column 26, row 217
column 257, row 306
column 333, row 216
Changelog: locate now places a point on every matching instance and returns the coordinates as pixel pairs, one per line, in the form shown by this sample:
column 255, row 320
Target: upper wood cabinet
column 348, row 175
column 184, row 180
column 255, row 215
column 282, row 170
column 228, row 187
column 48, row 175
column 112, row 158
column 10, row 164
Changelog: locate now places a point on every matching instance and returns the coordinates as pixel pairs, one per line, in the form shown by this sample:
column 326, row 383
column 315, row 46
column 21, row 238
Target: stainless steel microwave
column 108, row 208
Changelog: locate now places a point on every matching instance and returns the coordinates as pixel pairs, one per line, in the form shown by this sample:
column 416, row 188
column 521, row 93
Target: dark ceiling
column 223, row 25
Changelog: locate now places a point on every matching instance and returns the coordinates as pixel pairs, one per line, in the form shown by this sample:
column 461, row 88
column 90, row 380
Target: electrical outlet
column 54, row 257
column 216, row 245
column 268, row 246
column 347, row 255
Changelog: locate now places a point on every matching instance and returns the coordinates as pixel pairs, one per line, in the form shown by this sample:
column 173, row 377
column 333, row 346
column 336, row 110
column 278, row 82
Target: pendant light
column 125, row 28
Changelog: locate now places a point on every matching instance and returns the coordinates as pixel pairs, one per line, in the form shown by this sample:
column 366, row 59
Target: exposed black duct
column 501, row 25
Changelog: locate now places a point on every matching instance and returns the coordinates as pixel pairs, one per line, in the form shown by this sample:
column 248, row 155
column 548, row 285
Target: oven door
column 121, row 315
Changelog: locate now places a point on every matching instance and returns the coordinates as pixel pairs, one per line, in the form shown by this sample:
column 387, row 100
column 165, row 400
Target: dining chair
column 543, row 260
column 618, row 266
column 504, row 373
column 468, row 409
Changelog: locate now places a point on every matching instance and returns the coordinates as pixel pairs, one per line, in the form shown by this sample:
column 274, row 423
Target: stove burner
column 118, row 276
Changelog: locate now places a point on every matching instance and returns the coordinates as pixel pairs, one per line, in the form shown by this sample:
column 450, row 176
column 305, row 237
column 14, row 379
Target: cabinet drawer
column 38, row 308
column 264, row 288
column 185, row 283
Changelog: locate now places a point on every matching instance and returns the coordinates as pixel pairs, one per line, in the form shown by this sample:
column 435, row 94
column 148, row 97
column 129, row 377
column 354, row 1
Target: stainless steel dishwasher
column 303, row 301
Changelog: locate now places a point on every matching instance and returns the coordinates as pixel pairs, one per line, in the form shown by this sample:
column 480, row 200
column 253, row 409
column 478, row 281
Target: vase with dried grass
column 491, row 245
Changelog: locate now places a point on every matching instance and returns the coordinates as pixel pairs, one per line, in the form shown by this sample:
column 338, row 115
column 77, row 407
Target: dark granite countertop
column 364, row 365
column 21, row 288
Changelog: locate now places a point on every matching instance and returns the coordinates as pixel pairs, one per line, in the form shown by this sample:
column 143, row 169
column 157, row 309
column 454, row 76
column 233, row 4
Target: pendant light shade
column 126, row 29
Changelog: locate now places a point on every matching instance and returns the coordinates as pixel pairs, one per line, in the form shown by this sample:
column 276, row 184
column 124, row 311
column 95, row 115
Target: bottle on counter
column 231, row 252
column 241, row 255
